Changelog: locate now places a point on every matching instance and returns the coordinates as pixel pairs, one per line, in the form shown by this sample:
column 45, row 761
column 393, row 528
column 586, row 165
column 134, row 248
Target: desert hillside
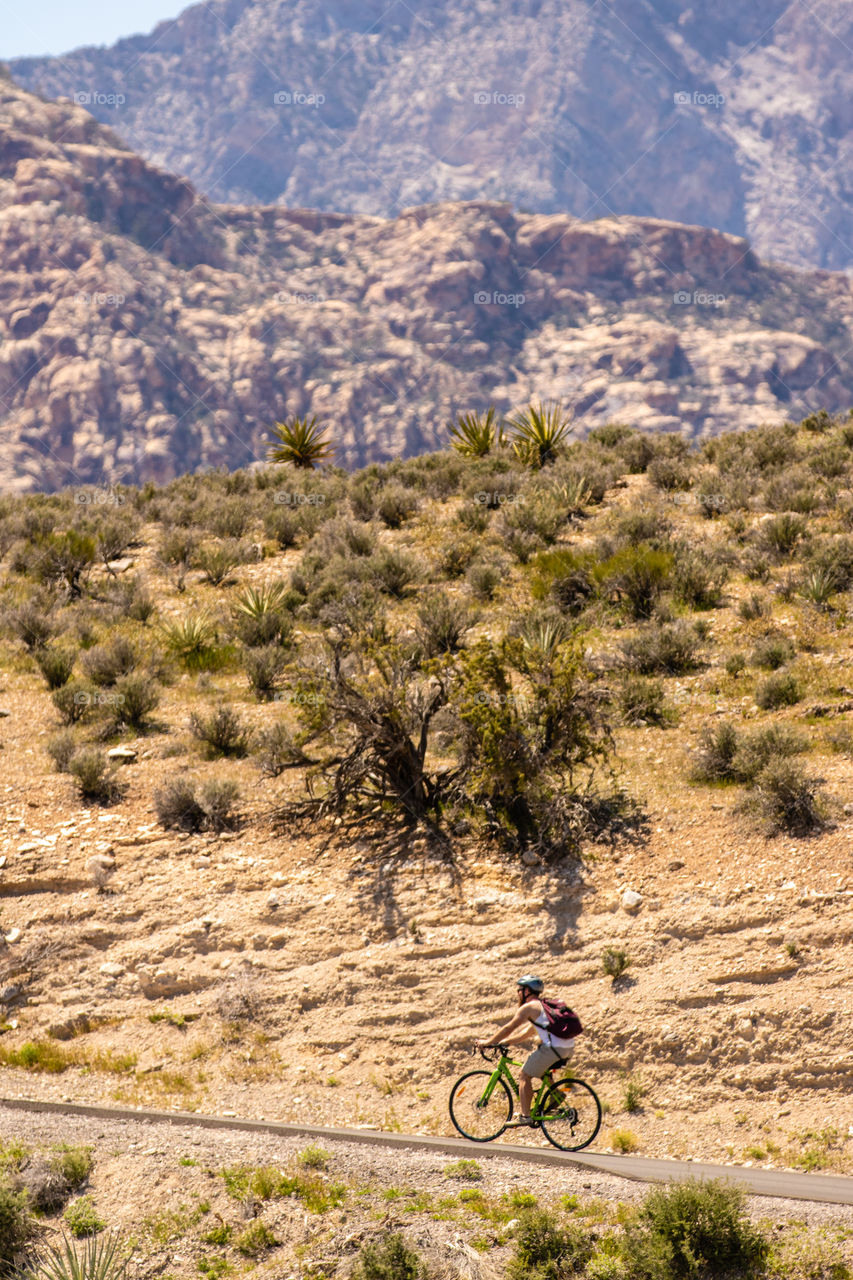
column 716, row 113
column 627, row 673
column 147, row 333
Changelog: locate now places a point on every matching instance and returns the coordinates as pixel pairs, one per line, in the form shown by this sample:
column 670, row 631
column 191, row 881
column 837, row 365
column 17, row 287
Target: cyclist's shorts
column 543, row 1058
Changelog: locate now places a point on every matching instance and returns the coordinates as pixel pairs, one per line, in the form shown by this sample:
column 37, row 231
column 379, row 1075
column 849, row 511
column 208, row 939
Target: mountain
column 146, row 332
column 730, row 115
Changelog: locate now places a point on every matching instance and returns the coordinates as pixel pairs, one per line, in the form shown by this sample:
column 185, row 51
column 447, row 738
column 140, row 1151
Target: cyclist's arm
column 525, row 1015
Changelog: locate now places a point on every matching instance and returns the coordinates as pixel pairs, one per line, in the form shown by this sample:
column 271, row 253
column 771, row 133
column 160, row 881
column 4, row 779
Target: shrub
column 389, row 1259
column 443, row 624
column 668, row 474
column 396, row 506
column 614, row 962
column 82, row 1217
column 283, row 526
column 646, row 526
column 455, row 556
column 464, row 1171
column 637, row 575
column 694, row 1228
column 31, row 624
column 787, row 799
column 55, row 664
column 193, row 641
column 217, row 563
column 260, row 616
column 94, row 776
column 752, row 607
column 696, row 582
column 264, row 668
column 392, row 572
column 74, row 1164
column 313, row 1157
column 642, row 701
column 772, row 652
column 623, row 1140
column 185, row 806
column 548, row 1250
column 781, row 534
column 779, row 690
column 735, row 663
column 222, row 731
column 61, row 748
column 670, row 649
column 136, row 696
column 255, row 1241
column 276, row 750
column 16, row 1223
column 483, row 580
column 715, row 755
column 633, row 1094
column 765, row 746
column 105, row 663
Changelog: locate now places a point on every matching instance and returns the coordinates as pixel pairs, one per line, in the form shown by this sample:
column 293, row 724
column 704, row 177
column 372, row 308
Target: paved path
column 760, row 1182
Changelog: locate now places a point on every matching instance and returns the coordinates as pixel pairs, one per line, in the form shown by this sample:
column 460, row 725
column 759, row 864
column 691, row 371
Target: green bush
column 546, row 1249
column 483, row 580
column 61, row 747
column 752, row 607
column 668, row 649
column 74, row 1164
column 275, row 749
column 94, row 776
column 255, row 1241
column 781, row 534
column 691, row 1230
column 778, row 690
column 714, row 759
column 218, row 562
column 396, row 505
column 83, row 1218
column 106, row 663
column 390, row 1258
column 264, row 668
column 643, row 701
column 614, row 962
column 221, row 731
column 16, row 1223
column 55, row 664
column 772, row 652
column 697, row 582
column 787, row 799
column 443, row 623
column 313, row 1157
column 636, row 576
column 184, row 805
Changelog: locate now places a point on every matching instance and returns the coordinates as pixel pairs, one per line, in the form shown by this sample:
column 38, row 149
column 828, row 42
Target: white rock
column 13, row 935
column 529, row 858
column 111, row 969
column 631, row 900
column 122, row 755
column 28, row 848
column 273, row 900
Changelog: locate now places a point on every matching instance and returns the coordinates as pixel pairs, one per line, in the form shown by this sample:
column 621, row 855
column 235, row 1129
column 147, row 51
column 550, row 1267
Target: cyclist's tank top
column 553, row 1042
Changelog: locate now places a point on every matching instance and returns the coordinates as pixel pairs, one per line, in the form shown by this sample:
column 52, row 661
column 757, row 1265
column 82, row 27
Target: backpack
column 562, row 1021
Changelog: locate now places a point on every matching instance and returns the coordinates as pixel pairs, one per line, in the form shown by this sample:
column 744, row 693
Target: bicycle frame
column 502, row 1070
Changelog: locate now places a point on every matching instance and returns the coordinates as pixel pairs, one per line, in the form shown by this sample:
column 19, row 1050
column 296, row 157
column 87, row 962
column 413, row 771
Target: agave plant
column 818, row 586
column 98, row 1258
column 192, row 640
column 538, row 432
column 260, row 615
column 476, row 434
column 300, row 442
column 544, row 636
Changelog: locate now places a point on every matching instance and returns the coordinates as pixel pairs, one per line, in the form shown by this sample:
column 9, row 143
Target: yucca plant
column 192, row 640
column 544, row 636
column 819, row 586
column 475, row 434
column 260, row 615
column 538, row 433
column 101, row 1257
column 301, row 442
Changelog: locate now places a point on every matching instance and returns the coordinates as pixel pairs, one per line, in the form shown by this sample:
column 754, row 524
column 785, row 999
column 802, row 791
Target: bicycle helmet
column 536, row 985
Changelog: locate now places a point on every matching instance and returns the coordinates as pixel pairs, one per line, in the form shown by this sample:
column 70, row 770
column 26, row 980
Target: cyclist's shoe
column 521, row 1122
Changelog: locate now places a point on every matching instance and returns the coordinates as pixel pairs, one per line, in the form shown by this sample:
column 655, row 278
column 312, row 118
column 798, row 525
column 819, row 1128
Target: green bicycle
column 481, row 1104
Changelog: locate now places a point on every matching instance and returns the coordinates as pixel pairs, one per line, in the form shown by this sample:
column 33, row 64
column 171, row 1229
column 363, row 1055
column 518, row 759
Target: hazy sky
column 57, row 26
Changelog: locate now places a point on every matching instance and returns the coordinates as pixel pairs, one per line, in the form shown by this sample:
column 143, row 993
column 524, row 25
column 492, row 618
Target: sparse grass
column 83, row 1218
column 255, row 1241
column 313, row 1157
column 464, row 1171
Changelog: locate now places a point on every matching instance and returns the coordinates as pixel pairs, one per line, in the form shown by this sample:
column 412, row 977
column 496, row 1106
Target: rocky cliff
column 146, row 332
column 719, row 113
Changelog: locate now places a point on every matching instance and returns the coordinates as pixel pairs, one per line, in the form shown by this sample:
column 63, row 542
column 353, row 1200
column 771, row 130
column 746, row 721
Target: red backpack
column 562, row 1021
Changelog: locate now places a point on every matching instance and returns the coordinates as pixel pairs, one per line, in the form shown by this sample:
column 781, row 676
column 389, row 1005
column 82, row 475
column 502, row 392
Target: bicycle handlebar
column 491, row 1051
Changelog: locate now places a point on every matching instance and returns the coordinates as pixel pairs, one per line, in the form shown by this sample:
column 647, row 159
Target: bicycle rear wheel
column 570, row 1115
column 476, row 1118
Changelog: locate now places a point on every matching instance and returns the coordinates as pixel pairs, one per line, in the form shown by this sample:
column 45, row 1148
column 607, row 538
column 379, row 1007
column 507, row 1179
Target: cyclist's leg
column 538, row 1062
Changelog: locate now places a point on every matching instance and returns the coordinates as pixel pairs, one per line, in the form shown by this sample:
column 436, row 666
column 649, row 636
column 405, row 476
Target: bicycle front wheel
column 476, row 1117
column 570, row 1115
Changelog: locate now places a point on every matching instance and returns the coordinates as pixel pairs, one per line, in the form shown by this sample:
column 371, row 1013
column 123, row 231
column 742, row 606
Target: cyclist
column 552, row 1050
